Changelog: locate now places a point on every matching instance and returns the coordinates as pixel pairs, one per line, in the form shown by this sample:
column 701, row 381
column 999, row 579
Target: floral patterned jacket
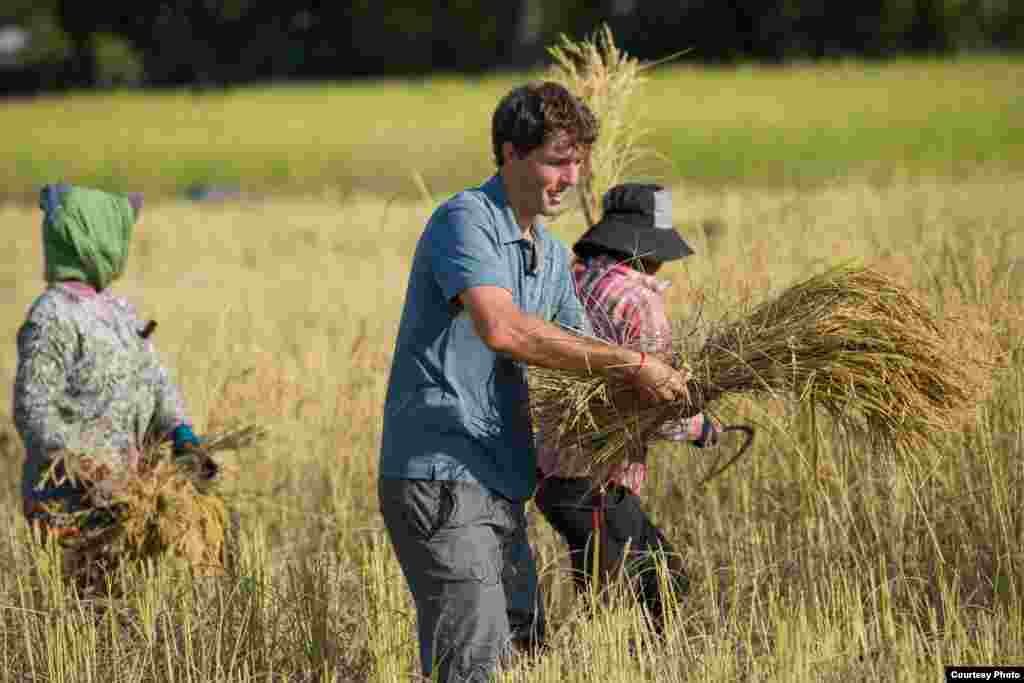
column 87, row 384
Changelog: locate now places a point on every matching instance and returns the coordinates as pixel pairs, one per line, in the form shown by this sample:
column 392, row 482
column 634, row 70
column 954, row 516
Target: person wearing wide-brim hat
column 636, row 226
column 614, row 275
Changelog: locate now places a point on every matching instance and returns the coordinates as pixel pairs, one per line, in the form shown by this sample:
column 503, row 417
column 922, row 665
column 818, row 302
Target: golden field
column 282, row 311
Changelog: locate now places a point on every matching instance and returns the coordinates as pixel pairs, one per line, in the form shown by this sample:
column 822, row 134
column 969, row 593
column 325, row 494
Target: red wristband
column 638, row 368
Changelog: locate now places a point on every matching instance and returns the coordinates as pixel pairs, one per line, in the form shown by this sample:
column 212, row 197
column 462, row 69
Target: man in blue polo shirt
column 490, row 292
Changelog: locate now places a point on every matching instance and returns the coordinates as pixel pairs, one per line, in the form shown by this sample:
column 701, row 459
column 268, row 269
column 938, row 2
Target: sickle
column 715, row 470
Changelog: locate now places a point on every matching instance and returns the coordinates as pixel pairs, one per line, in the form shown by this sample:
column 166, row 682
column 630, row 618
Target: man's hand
column 661, row 381
column 505, row 329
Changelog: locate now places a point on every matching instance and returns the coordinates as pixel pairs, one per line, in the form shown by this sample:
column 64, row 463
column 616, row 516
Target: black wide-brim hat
column 637, row 221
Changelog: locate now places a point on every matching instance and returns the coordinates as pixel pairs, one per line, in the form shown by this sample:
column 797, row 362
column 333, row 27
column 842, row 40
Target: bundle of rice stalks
column 851, row 341
column 170, row 506
column 605, row 78
column 158, row 513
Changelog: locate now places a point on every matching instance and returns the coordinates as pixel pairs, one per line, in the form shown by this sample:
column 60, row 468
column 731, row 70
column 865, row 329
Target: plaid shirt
column 624, row 306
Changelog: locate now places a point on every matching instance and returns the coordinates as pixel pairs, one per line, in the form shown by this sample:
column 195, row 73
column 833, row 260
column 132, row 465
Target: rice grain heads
column 857, row 344
column 169, row 507
column 852, row 340
column 605, row 78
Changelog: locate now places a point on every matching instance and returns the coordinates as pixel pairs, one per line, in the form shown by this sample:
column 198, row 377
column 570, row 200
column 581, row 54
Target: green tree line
column 79, row 44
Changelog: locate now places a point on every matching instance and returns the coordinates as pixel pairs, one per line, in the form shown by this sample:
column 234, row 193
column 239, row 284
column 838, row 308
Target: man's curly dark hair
column 532, row 113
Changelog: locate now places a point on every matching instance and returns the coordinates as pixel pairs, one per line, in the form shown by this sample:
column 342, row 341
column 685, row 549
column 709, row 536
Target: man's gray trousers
column 464, row 552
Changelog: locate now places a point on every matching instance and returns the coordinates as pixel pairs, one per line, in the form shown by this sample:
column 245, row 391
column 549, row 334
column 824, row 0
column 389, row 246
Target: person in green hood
column 89, row 384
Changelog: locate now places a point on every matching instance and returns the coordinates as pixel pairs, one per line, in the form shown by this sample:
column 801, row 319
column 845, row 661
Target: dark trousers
column 465, row 556
column 578, row 510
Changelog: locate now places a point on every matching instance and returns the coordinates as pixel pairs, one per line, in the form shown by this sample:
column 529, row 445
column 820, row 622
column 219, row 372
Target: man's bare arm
column 504, row 328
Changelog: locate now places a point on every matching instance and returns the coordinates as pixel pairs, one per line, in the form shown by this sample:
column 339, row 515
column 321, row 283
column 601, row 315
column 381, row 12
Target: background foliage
column 208, row 43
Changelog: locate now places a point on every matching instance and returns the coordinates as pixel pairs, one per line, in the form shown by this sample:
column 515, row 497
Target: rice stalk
column 169, row 506
column 605, row 78
column 851, row 341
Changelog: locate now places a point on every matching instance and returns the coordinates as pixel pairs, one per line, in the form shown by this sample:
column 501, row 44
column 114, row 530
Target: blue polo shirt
column 456, row 410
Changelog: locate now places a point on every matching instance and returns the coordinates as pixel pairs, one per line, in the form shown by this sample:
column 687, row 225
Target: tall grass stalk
column 607, row 80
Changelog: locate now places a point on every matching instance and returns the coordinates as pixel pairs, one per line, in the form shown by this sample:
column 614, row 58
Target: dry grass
column 857, row 566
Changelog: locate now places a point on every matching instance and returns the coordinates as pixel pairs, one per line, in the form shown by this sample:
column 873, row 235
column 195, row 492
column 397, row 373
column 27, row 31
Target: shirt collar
column 78, row 288
column 508, row 230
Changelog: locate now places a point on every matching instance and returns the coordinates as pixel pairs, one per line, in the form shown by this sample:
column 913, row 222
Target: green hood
column 85, row 234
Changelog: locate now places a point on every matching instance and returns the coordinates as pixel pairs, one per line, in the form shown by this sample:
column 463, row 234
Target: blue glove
column 708, row 434
column 184, row 438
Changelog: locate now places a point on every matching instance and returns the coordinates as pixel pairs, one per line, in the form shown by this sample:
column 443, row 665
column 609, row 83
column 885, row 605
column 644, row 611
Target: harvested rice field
column 816, row 557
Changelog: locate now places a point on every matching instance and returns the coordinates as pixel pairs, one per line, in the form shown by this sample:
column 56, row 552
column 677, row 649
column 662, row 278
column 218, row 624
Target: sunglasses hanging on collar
column 533, row 258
